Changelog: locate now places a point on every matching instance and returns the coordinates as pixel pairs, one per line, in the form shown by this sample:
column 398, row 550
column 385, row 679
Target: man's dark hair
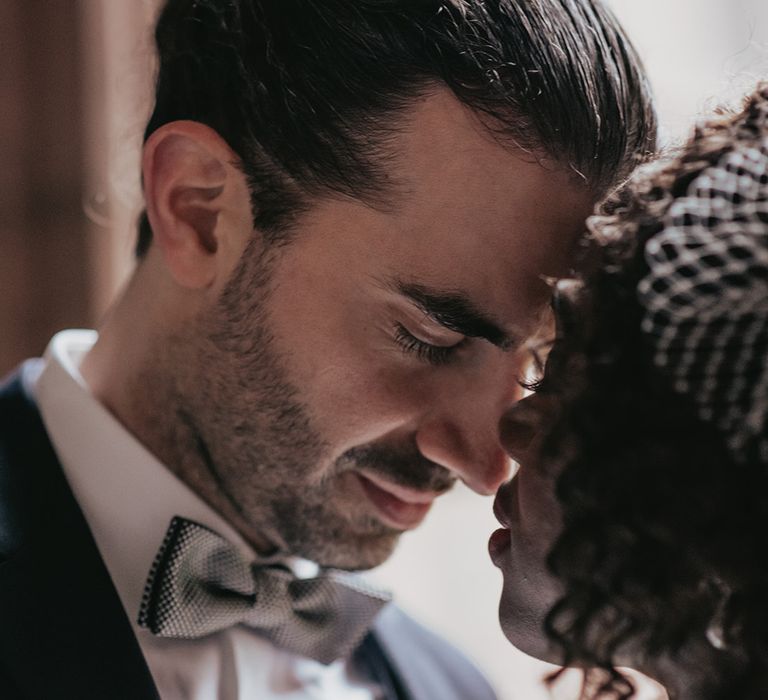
column 307, row 92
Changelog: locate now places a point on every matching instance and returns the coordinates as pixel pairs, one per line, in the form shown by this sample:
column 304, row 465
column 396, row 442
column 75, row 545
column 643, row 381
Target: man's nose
column 479, row 461
column 463, row 435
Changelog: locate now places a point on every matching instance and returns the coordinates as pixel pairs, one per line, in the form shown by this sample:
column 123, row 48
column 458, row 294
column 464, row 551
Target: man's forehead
column 435, row 136
column 444, row 166
column 439, row 125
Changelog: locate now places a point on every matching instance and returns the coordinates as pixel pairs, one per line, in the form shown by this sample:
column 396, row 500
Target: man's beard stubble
column 255, row 438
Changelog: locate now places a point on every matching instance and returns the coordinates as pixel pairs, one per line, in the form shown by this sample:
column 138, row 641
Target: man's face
column 343, row 381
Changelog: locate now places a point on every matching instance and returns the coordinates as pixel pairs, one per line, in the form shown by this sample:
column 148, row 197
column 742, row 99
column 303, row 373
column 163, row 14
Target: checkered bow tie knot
column 200, row 583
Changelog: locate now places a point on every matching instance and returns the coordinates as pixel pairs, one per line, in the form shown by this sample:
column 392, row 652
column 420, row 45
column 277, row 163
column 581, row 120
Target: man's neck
column 131, row 371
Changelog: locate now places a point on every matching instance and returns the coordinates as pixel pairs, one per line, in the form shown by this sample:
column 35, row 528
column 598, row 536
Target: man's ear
column 197, row 201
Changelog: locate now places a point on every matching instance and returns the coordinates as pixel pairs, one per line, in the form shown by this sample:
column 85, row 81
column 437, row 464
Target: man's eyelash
column 426, row 352
column 534, row 385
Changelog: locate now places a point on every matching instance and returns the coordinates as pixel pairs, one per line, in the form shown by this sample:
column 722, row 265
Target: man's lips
column 398, row 506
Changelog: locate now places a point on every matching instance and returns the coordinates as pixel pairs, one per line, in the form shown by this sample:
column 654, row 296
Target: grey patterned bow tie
column 200, row 584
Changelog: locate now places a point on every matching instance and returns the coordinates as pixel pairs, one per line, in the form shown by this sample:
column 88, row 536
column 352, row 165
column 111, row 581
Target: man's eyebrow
column 456, row 312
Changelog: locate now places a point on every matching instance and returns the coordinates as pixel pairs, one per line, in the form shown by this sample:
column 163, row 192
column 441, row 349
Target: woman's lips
column 499, row 544
column 399, row 507
column 501, row 540
column 506, row 498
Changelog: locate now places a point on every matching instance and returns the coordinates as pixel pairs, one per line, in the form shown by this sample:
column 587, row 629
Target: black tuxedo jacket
column 63, row 632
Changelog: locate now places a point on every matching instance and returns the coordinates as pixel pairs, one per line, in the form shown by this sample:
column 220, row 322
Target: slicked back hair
column 307, row 93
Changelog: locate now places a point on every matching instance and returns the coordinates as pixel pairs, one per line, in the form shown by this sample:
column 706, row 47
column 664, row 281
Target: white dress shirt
column 128, row 499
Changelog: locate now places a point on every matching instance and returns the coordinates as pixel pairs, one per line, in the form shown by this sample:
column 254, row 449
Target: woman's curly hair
column 664, row 536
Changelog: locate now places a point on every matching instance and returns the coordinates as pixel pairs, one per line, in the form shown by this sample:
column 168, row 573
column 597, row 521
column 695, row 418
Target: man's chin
column 358, row 554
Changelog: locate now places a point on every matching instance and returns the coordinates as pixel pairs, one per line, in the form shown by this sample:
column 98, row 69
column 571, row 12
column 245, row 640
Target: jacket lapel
column 375, row 664
column 423, row 666
column 64, row 632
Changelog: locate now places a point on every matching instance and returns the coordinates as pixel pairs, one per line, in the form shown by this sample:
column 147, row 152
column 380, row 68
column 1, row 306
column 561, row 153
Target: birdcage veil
column 705, row 297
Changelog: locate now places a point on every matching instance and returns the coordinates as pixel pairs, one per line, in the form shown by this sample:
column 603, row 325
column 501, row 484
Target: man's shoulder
column 88, row 645
column 20, row 421
column 23, row 442
column 427, row 663
column 17, row 406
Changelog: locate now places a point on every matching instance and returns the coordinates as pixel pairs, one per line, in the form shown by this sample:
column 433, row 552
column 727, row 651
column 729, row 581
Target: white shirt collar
column 126, row 494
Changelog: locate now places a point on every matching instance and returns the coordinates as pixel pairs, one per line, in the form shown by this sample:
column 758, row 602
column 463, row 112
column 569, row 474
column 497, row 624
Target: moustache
column 404, row 466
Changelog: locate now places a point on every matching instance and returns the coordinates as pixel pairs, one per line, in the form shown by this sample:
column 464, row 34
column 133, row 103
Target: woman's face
column 529, row 513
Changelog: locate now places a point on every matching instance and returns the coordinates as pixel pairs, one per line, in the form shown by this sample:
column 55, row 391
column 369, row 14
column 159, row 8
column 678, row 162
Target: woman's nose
column 520, row 425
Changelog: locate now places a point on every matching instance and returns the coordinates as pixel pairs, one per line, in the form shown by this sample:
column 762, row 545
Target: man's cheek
column 370, row 398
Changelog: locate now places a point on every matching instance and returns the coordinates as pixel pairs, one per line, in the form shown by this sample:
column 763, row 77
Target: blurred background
column 74, row 94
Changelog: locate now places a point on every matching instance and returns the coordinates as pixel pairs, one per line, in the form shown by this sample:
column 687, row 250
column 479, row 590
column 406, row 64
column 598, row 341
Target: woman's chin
column 536, row 648
column 523, row 626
